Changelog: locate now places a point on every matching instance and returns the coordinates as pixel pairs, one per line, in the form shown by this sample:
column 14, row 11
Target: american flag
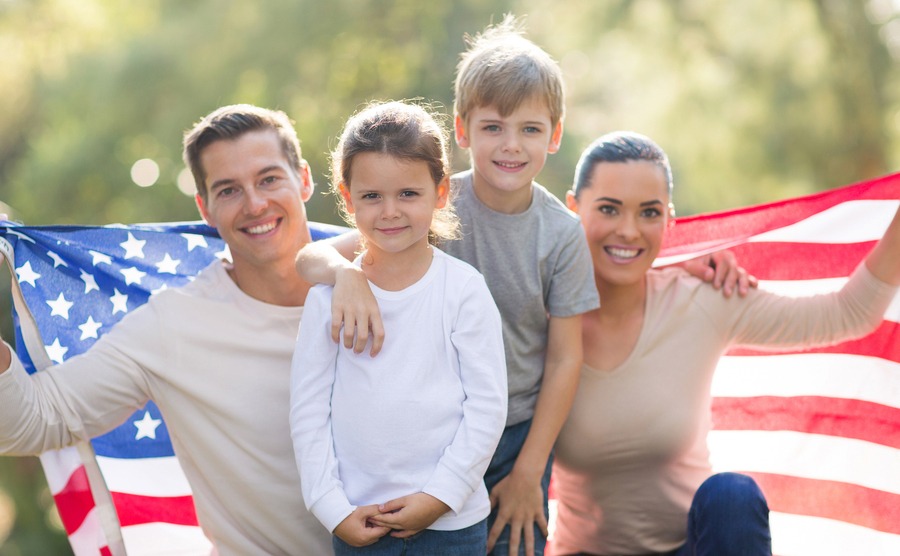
column 818, row 429
column 124, row 492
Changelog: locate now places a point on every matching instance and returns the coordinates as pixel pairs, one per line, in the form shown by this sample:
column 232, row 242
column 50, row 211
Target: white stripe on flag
column 805, row 455
column 145, row 477
column 798, row 535
column 59, row 466
column 831, row 375
column 164, row 539
column 870, row 219
column 88, row 538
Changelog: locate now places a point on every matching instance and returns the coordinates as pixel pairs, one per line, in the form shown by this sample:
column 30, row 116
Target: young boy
column 509, row 112
column 532, row 253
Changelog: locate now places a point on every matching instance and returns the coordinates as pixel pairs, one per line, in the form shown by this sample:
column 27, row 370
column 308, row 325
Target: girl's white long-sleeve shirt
column 424, row 415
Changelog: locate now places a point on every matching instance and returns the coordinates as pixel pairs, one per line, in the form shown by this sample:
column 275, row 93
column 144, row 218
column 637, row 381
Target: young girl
column 399, row 443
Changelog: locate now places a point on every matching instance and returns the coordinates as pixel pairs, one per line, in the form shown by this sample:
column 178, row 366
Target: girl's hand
column 409, row 514
column 356, row 530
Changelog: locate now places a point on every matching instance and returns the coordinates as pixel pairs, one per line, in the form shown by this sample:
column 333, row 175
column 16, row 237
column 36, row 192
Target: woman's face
column 624, row 210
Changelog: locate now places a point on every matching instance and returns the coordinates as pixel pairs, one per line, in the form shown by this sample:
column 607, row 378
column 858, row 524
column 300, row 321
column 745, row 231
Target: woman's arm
column 884, row 259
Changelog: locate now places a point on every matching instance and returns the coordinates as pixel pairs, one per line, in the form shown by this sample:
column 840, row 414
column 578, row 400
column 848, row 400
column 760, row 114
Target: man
column 213, row 355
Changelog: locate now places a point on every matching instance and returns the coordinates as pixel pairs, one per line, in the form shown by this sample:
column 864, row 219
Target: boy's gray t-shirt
column 536, row 263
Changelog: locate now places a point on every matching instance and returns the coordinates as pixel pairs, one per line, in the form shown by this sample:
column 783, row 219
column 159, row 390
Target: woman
column 632, row 472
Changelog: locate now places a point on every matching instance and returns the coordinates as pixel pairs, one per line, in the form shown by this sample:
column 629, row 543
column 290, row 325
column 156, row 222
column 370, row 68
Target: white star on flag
column 146, row 427
column 162, row 288
column 89, row 282
column 168, row 265
column 194, row 240
column 56, row 351
column 60, row 307
column 119, row 301
column 99, row 257
column 132, row 275
column 134, row 248
column 26, row 274
column 57, row 260
column 89, row 328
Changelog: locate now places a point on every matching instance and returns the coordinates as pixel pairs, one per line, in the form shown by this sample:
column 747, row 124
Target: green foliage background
column 754, row 101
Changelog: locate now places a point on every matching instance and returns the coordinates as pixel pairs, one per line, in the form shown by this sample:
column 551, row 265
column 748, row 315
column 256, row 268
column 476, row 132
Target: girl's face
column 393, row 201
column 624, row 211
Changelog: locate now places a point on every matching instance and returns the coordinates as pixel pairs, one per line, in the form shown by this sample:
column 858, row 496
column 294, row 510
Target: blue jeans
column 471, row 541
column 501, row 465
column 728, row 517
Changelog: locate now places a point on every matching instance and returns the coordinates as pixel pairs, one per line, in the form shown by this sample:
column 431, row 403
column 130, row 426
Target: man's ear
column 459, row 127
column 201, row 206
column 306, row 182
column 443, row 193
column 571, row 201
column 345, row 194
column 556, row 138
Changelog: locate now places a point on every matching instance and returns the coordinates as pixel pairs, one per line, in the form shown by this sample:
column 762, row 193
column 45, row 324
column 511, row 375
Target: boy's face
column 255, row 198
column 508, row 152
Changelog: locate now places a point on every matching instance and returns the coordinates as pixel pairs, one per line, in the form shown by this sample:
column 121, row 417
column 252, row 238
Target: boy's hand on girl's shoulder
column 355, row 309
column 520, row 505
column 410, row 514
column 357, row 530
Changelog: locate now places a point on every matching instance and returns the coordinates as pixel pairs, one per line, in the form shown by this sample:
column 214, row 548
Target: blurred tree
column 753, row 101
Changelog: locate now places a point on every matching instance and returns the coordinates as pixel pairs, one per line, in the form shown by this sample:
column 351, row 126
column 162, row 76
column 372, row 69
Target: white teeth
column 262, row 228
column 509, row 164
column 623, row 253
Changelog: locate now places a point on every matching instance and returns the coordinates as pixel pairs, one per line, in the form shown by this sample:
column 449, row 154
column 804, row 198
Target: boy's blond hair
column 503, row 69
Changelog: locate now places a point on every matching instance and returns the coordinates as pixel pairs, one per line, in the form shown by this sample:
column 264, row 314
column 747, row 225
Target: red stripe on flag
column 137, row 510
column 801, row 261
column 881, row 343
column 105, row 551
column 846, row 418
column 716, row 228
column 866, row 507
column 74, row 501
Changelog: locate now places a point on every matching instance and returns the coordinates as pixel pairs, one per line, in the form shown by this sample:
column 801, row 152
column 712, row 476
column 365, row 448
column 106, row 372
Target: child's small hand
column 722, row 269
column 520, row 505
column 354, row 307
column 409, row 514
column 357, row 530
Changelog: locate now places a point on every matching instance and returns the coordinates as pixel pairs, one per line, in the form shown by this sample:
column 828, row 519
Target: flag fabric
column 818, row 429
column 125, row 491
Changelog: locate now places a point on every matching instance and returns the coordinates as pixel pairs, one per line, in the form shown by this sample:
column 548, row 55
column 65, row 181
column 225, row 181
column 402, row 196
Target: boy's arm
column 519, row 495
column 353, row 305
column 721, row 268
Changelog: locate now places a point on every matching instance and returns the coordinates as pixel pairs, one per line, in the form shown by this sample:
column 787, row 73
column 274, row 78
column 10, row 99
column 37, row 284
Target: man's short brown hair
column 230, row 123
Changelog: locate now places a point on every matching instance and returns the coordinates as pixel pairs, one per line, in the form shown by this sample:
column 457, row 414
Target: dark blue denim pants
column 501, row 465
column 470, row 541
